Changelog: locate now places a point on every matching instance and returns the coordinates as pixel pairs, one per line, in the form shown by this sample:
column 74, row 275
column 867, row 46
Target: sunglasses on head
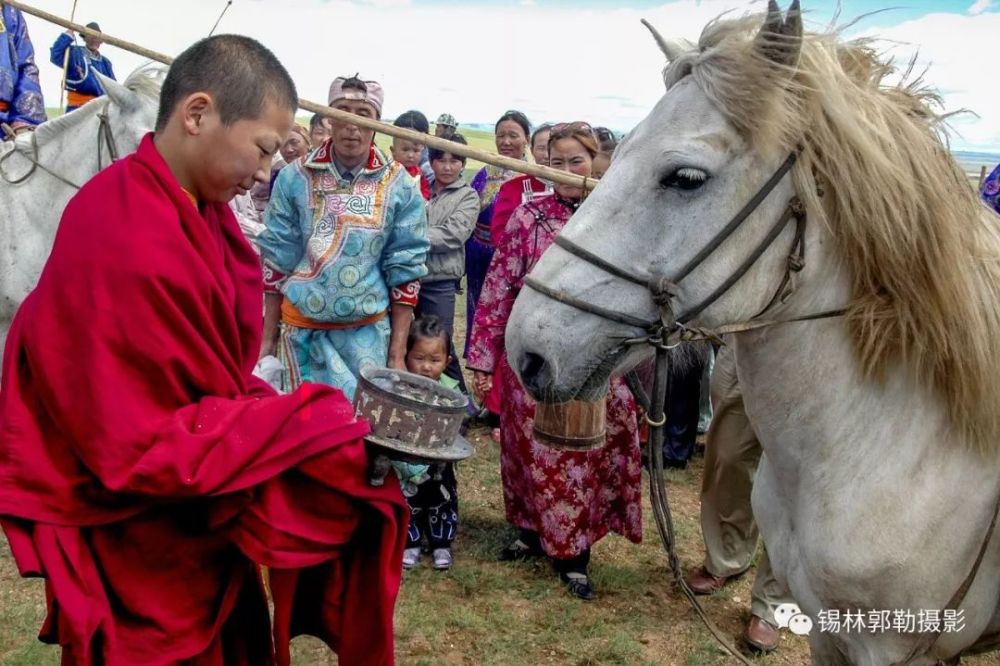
column 569, row 127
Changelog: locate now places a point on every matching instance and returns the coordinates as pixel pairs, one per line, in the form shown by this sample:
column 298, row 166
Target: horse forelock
column 874, row 169
column 147, row 80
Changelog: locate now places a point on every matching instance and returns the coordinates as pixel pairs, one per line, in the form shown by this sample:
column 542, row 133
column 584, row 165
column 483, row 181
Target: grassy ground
column 488, row 613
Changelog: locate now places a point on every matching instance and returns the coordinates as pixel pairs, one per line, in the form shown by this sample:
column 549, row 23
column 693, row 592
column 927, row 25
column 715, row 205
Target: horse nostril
column 535, row 373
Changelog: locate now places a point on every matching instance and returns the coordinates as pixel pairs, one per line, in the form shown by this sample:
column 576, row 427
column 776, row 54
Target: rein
column 105, row 137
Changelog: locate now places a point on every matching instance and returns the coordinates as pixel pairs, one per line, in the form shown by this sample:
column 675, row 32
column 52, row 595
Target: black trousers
column 434, row 510
column 682, row 409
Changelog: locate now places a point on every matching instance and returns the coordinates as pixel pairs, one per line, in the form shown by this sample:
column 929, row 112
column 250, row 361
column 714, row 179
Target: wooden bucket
column 575, row 425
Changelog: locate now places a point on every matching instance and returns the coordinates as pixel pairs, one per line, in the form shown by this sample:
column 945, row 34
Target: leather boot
column 702, row 582
column 761, row 635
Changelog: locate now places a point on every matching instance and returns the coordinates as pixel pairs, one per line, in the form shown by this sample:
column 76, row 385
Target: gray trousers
column 438, row 299
column 731, row 456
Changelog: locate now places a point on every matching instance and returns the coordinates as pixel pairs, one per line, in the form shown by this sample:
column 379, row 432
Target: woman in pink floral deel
column 562, row 501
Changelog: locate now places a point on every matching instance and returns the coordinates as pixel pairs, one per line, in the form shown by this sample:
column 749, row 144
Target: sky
column 556, row 60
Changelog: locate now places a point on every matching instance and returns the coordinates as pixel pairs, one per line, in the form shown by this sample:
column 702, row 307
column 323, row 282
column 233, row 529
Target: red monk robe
column 143, row 470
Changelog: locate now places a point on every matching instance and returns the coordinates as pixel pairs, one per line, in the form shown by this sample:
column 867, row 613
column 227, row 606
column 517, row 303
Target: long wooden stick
column 561, row 177
column 69, row 49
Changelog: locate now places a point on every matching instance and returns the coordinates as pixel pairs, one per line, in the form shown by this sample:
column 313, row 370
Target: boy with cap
column 82, row 85
column 344, row 248
column 145, row 472
column 446, row 124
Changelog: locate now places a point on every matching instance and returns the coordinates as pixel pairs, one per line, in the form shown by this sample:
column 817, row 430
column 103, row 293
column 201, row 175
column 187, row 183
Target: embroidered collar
column 322, row 157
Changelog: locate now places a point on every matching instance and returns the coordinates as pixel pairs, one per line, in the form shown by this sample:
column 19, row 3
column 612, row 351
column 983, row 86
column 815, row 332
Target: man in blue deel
column 82, row 85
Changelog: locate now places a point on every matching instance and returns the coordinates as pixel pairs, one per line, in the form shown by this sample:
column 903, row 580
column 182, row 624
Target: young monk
column 144, row 472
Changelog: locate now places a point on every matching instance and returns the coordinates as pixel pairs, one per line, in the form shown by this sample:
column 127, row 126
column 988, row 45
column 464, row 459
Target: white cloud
column 476, row 62
column 979, row 6
column 955, row 50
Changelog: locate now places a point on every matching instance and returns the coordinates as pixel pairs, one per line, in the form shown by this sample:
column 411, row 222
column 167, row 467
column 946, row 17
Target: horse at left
column 40, row 172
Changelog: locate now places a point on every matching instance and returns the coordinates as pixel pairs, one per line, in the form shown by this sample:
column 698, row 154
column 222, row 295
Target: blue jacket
column 81, row 67
column 20, row 94
column 336, row 248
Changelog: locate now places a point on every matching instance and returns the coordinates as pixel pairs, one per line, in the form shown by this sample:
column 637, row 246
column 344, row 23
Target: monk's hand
column 482, row 384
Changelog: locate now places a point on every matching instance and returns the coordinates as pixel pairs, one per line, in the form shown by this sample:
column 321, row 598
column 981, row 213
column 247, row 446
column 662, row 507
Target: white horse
column 68, row 151
column 881, row 426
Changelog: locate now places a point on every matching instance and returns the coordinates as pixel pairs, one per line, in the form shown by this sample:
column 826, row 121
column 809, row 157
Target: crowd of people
column 358, row 259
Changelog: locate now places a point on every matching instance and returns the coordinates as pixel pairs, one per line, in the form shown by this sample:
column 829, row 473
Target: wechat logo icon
column 791, row 617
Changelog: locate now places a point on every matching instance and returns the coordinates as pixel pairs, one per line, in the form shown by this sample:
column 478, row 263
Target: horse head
column 778, row 158
column 675, row 181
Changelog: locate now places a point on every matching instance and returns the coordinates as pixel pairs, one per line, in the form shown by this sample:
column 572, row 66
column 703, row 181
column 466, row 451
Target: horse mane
column 147, row 81
column 922, row 251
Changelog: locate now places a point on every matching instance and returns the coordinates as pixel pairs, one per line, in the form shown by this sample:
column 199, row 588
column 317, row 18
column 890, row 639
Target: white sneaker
column 411, row 558
column 443, row 558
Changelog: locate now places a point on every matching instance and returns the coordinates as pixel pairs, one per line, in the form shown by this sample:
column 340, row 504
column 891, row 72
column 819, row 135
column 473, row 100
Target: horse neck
column 72, row 152
column 808, row 397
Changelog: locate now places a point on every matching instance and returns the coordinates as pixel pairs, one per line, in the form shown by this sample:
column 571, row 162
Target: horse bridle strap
column 105, row 136
column 663, row 289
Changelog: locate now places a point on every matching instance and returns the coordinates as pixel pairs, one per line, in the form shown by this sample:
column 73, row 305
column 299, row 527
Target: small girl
column 431, row 491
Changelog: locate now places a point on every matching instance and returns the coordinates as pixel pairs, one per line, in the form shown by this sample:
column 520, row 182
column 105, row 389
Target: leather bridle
column 670, row 330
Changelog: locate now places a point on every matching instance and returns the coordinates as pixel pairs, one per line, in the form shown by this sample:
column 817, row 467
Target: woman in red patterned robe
column 562, row 501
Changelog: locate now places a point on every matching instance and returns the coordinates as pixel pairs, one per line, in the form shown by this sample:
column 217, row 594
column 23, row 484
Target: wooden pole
column 552, row 175
column 982, row 175
column 69, row 49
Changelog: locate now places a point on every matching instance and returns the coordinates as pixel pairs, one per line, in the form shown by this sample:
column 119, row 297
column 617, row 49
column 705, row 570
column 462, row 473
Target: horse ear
column 672, row 48
column 780, row 38
column 119, row 94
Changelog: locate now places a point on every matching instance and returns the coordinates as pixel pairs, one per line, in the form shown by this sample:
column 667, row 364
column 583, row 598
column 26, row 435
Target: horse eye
column 685, row 178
